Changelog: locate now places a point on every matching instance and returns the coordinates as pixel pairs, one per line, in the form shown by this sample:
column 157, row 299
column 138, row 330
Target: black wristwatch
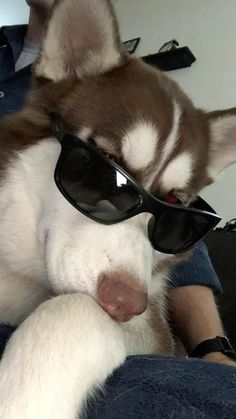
column 218, row 344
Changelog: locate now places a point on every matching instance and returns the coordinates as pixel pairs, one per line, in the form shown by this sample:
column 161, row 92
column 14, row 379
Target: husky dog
column 87, row 238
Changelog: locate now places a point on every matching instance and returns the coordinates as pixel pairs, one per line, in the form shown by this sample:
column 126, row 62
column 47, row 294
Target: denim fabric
column 162, row 387
column 197, row 270
column 13, row 86
column 5, row 333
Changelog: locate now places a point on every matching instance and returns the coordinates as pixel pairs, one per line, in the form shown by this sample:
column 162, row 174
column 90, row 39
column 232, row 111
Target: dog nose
column 121, row 295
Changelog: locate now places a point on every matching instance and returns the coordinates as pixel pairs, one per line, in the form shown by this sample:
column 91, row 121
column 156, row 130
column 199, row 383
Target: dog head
column 150, row 127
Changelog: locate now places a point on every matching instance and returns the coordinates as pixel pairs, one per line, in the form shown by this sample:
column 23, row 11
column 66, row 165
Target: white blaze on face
column 173, row 136
column 178, row 172
column 169, row 145
column 84, row 133
column 139, row 145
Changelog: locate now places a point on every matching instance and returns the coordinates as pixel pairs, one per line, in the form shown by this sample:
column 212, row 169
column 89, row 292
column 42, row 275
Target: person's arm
column 194, row 313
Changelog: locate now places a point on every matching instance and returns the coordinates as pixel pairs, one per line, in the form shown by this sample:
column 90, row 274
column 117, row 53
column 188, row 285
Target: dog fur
column 51, row 256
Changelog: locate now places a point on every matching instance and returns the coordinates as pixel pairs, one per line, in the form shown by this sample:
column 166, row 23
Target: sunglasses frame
column 148, row 202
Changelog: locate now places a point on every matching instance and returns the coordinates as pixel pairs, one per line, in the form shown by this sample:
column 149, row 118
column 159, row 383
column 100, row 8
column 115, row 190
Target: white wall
column 208, row 27
column 13, row 12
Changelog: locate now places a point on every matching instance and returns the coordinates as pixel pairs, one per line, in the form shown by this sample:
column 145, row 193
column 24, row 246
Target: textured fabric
column 150, row 387
column 13, row 86
column 197, row 270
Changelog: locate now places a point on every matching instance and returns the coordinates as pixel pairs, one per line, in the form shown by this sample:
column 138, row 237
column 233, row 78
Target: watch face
column 227, row 348
column 226, row 343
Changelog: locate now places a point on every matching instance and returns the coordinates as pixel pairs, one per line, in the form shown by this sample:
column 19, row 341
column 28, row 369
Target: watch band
column 217, row 344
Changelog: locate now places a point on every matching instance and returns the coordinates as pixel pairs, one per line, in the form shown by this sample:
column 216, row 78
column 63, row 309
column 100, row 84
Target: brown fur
column 110, row 104
column 89, row 103
column 160, row 327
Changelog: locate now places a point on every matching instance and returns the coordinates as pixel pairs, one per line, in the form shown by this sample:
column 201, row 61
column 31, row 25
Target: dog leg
column 58, row 355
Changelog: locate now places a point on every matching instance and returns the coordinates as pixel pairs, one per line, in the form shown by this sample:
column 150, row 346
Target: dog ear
column 222, row 140
column 82, row 39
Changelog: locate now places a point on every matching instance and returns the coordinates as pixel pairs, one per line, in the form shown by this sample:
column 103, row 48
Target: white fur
column 139, row 145
column 169, row 145
column 65, row 349
column 19, row 296
column 178, row 172
column 67, row 40
column 69, row 345
column 222, row 145
column 172, row 138
column 24, row 218
column 44, row 238
column 84, row 133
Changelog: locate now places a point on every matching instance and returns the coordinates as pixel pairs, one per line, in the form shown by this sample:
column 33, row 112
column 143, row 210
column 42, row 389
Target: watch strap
column 217, row 344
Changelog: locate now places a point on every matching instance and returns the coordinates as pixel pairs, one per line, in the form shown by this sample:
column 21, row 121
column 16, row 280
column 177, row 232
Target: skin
column 194, row 313
column 196, row 318
column 39, row 10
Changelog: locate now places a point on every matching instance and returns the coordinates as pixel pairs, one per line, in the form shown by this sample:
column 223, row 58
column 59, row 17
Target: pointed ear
column 82, row 39
column 222, row 140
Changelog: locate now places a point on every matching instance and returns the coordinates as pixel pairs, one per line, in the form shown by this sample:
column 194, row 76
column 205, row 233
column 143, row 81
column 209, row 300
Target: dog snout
column 121, row 295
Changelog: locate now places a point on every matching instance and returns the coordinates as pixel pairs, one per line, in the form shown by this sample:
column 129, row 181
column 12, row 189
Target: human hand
column 219, row 357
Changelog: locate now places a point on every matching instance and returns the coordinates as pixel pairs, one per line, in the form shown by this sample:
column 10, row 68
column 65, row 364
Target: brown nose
column 121, row 295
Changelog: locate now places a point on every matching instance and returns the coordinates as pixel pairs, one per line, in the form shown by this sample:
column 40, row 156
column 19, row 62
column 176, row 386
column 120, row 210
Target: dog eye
column 172, row 199
column 105, row 153
column 109, row 156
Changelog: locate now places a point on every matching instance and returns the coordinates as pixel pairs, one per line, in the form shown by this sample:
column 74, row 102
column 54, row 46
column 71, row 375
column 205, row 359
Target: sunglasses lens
column 95, row 187
column 178, row 231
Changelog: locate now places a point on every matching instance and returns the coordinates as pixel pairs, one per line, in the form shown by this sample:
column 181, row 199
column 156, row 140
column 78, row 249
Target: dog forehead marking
column 172, row 138
column 178, row 172
column 84, row 133
column 169, row 145
column 139, row 145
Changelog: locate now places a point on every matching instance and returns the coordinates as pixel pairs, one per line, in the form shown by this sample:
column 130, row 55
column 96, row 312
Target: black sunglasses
column 100, row 189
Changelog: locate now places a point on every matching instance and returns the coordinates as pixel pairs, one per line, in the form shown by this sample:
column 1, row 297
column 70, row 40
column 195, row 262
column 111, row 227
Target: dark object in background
column 168, row 46
column 131, row 45
column 221, row 244
column 171, row 60
column 229, row 226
